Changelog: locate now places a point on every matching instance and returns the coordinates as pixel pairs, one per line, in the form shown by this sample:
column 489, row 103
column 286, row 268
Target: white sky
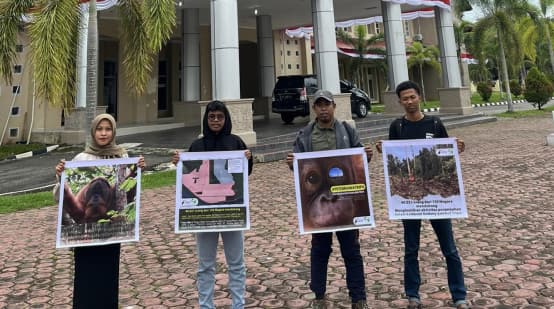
column 472, row 16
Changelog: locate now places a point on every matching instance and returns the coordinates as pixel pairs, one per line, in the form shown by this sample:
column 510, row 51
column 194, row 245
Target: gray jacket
column 346, row 137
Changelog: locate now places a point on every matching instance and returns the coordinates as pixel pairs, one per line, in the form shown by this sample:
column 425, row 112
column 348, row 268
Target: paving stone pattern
column 506, row 244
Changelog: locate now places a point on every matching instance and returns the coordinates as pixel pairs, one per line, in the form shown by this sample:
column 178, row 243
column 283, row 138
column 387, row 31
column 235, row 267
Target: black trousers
column 96, row 282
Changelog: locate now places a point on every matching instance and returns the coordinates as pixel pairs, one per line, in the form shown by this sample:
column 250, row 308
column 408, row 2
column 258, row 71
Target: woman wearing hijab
column 217, row 128
column 96, row 281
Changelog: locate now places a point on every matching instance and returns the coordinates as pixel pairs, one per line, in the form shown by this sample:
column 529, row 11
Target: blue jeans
column 412, row 279
column 206, row 246
column 350, row 251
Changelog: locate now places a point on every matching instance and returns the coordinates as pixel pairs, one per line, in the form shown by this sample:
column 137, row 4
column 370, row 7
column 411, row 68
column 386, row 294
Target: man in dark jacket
column 327, row 133
column 217, row 137
column 415, row 125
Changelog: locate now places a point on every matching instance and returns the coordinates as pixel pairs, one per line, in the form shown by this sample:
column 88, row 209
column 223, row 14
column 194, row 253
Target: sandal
column 463, row 306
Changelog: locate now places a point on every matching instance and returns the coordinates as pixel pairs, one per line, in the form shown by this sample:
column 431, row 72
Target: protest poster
column 99, row 203
column 423, row 179
column 332, row 190
column 212, row 192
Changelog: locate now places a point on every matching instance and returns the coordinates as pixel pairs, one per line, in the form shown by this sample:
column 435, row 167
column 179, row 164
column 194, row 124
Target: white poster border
column 324, row 154
column 96, row 163
column 211, row 155
column 392, row 204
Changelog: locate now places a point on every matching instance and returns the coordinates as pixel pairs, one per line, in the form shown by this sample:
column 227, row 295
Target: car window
column 311, row 85
column 289, row 82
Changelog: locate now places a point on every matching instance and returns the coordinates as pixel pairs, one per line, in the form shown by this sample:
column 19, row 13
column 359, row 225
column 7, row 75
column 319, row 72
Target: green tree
column 499, row 16
column 420, row 56
column 53, row 34
column 363, row 45
column 538, row 88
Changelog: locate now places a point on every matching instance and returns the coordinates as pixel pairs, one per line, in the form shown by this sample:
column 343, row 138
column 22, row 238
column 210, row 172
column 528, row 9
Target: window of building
column 288, row 52
column 407, row 28
column 289, row 66
column 297, row 53
column 297, row 66
column 15, row 111
column 281, row 52
column 17, row 69
column 377, row 28
column 19, row 48
column 288, row 42
column 14, row 132
column 16, row 89
column 295, row 42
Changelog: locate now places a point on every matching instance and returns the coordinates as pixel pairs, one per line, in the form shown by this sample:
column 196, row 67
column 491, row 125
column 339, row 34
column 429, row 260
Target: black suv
column 290, row 96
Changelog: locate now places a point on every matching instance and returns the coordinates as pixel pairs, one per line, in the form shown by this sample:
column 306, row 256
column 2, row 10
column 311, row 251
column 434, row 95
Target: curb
column 29, row 154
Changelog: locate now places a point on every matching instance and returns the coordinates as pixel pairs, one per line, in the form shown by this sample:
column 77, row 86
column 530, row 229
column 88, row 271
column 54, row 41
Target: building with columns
column 227, row 50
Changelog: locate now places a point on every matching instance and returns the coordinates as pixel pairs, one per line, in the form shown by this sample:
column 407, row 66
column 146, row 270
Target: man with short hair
column 415, row 125
column 327, row 133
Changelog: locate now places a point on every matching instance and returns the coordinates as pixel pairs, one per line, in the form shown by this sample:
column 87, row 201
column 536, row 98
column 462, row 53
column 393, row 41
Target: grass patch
column 495, row 97
column 9, row 204
column 545, row 111
column 9, row 150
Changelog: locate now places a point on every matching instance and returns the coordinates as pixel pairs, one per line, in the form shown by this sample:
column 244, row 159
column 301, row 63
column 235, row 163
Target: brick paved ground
column 506, row 244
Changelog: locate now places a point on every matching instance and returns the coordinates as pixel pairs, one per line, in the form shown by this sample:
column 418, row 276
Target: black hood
column 227, row 126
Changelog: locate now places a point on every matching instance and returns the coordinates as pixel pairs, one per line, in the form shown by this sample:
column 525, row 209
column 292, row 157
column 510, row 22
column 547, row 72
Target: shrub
column 485, row 90
column 515, row 87
column 538, row 89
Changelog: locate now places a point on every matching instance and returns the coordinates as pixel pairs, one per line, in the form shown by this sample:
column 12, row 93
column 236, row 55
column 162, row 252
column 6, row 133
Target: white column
column 265, row 54
column 395, row 43
column 191, row 56
column 447, row 44
column 327, row 64
column 225, row 50
column 81, row 98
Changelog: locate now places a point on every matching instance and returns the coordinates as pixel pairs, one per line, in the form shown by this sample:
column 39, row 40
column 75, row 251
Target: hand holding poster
column 332, row 190
column 99, row 202
column 423, row 179
column 212, row 192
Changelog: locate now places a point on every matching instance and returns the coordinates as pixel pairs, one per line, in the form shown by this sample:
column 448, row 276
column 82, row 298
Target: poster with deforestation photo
column 423, row 179
column 212, row 192
column 99, row 202
column 332, row 190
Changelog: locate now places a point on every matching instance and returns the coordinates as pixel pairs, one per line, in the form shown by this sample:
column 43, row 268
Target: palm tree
column 420, row 56
column 53, row 33
column 362, row 45
column 499, row 15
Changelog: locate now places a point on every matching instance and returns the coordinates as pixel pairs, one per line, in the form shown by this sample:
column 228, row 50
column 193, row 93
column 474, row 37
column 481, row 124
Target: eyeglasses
column 216, row 117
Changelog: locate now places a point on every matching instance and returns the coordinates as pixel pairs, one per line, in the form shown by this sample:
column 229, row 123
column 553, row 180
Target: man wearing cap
column 327, row 133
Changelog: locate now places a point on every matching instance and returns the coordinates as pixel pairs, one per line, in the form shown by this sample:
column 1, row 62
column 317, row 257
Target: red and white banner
column 101, row 4
column 445, row 4
column 307, row 32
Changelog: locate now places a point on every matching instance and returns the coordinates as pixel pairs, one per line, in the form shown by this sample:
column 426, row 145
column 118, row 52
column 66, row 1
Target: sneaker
column 360, row 305
column 463, row 306
column 415, row 305
column 319, row 304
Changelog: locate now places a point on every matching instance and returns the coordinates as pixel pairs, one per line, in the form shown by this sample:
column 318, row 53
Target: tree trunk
column 549, row 41
column 505, row 72
column 92, row 67
column 422, row 85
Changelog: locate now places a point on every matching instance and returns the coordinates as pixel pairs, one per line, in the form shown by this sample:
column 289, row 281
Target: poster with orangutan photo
column 423, row 179
column 99, row 202
column 332, row 190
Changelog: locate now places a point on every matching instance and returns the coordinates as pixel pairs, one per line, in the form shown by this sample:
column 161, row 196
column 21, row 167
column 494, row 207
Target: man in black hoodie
column 217, row 128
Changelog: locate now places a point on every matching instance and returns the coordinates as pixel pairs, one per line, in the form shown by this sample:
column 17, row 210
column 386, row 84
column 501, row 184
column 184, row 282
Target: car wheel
column 287, row 117
column 361, row 109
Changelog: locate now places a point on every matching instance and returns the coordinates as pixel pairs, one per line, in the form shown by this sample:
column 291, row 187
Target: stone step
column 276, row 148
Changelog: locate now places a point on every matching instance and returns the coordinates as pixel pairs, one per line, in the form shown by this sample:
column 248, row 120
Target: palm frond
column 53, row 36
column 159, row 17
column 11, row 12
column 137, row 54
